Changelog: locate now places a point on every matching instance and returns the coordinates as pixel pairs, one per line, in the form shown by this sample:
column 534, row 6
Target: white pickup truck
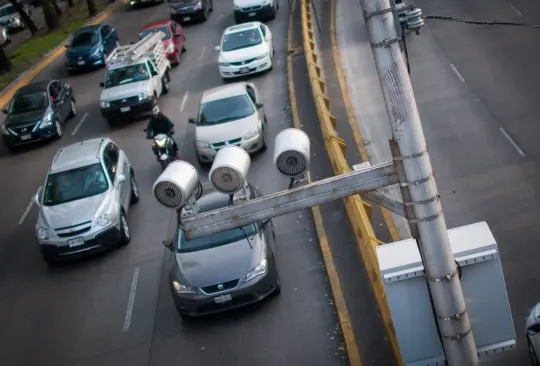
column 137, row 75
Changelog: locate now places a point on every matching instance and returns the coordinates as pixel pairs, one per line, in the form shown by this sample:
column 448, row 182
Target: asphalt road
column 476, row 89
column 76, row 315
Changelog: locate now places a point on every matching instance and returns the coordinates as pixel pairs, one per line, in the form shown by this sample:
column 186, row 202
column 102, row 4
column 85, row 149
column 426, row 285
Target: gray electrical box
column 482, row 280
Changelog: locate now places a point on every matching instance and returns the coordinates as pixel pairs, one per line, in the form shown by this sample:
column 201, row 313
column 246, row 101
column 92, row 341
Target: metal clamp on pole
column 386, row 43
column 458, row 337
column 412, row 156
column 453, row 317
column 378, row 12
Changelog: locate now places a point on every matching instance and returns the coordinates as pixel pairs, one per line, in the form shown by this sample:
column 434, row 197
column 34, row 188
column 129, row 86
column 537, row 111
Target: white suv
column 245, row 49
column 85, row 199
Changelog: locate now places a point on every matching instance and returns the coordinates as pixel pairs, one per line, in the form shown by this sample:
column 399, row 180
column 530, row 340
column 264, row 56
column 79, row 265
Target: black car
column 185, row 11
column 37, row 112
column 143, row 3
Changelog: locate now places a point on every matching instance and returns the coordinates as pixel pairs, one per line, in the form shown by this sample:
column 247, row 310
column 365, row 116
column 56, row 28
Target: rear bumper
column 264, row 12
column 127, row 111
column 187, row 17
column 73, row 64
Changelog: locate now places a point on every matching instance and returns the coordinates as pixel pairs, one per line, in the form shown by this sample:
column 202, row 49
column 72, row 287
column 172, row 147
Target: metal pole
column 439, row 265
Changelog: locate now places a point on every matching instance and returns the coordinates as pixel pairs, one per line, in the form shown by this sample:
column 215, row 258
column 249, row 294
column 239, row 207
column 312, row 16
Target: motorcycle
column 163, row 148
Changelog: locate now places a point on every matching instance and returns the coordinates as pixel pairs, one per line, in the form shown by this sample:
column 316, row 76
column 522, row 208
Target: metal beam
column 284, row 202
column 385, row 201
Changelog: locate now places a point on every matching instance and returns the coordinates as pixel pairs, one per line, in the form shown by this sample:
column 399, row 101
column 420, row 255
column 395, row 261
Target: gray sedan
column 224, row 270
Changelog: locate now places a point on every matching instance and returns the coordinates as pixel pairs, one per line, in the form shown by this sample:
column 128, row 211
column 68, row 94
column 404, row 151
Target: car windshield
column 126, row 75
column 214, row 240
column 165, row 30
column 75, row 184
column 239, row 40
column 84, row 39
column 225, row 110
column 29, row 102
column 7, row 10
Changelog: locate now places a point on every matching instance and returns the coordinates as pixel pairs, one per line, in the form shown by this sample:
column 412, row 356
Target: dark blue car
column 89, row 46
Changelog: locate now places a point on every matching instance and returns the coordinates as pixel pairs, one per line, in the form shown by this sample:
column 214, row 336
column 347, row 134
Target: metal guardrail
column 359, row 212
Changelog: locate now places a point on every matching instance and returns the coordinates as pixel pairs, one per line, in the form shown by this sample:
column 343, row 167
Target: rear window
column 214, row 240
column 165, row 30
column 225, row 110
column 83, row 39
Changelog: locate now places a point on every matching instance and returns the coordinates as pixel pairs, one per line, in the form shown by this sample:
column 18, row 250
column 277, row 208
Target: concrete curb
column 30, row 74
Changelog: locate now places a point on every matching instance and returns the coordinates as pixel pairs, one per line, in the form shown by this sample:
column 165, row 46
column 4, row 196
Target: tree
column 5, row 62
column 92, row 10
column 52, row 19
column 24, row 16
column 70, row 3
column 57, row 8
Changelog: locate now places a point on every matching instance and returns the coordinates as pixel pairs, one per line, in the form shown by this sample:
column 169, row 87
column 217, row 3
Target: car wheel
column 532, row 353
column 211, row 6
column 49, row 258
column 134, row 190
column 183, row 49
column 58, row 131
column 264, row 146
column 277, row 4
column 164, row 85
column 204, row 15
column 125, row 234
column 277, row 291
column 73, row 108
column 110, row 121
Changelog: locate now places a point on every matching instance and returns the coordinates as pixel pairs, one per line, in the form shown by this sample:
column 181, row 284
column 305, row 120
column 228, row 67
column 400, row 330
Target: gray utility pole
column 428, row 221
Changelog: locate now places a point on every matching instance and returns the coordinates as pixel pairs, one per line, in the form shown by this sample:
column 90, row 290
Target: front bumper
column 234, row 71
column 101, row 240
column 128, row 110
column 251, row 145
column 254, row 13
column 246, row 293
column 185, row 16
column 73, row 63
column 14, row 27
column 42, row 134
column 136, row 3
column 172, row 56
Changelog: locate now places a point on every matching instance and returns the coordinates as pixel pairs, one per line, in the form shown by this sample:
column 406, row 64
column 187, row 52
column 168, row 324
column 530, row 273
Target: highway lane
column 76, row 315
column 471, row 81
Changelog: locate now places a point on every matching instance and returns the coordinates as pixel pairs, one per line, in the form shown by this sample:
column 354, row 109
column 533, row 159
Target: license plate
column 222, row 299
column 244, row 70
column 251, row 14
column 125, row 109
column 75, row 242
column 80, row 62
column 26, row 137
column 187, row 19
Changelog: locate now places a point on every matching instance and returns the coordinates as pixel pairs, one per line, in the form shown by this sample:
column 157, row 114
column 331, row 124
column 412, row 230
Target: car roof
column 38, row 86
column 159, row 23
column 242, row 27
column 224, row 91
column 78, row 155
column 212, row 199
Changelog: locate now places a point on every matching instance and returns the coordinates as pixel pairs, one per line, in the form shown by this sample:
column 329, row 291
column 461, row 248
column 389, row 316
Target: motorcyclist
column 159, row 123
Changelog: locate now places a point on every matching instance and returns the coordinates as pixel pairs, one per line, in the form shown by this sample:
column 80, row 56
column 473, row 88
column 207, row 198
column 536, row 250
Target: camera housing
column 176, row 185
column 229, row 170
column 292, row 153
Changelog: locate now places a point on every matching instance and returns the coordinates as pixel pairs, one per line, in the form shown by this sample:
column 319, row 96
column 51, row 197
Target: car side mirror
column 259, row 105
column 5, row 111
column 120, row 179
column 176, row 35
column 191, row 120
column 217, row 48
column 102, row 84
column 167, row 244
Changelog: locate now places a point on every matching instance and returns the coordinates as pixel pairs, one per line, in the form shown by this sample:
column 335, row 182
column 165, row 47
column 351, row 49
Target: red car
column 174, row 38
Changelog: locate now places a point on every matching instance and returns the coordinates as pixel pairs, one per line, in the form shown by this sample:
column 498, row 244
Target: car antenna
column 231, row 201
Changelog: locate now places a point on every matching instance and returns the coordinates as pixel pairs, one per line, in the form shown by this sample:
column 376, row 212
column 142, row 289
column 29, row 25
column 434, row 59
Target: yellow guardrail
column 359, row 212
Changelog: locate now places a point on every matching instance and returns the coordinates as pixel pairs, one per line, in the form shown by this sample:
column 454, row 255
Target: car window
column 74, row 184
column 263, row 30
column 152, row 69
column 165, row 30
column 251, row 93
column 214, row 240
column 225, row 110
column 54, row 90
column 7, row 10
column 243, row 39
column 28, row 102
column 83, row 39
column 105, row 30
column 126, row 75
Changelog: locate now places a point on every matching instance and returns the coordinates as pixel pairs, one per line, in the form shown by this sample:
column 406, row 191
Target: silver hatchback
column 84, row 202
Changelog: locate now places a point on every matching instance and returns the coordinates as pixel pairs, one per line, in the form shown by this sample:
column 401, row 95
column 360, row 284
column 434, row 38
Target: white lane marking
column 219, row 17
column 515, row 9
column 514, row 144
column 184, row 100
column 455, row 70
column 28, row 208
column 79, row 124
column 202, row 53
column 131, row 300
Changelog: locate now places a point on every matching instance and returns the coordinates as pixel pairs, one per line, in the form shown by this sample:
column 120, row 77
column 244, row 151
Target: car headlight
column 183, row 289
column 104, row 104
column 170, row 48
column 251, row 134
column 224, row 63
column 104, row 219
column 43, row 233
column 202, row 144
column 47, row 121
column 259, row 270
column 197, row 6
column 143, row 96
column 172, row 11
column 5, row 130
column 97, row 51
column 262, row 56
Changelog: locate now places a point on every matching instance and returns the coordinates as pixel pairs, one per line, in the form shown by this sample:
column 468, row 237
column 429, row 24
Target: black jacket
column 159, row 124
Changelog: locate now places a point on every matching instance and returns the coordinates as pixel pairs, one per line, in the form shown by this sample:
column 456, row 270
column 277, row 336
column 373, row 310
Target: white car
column 250, row 10
column 532, row 327
column 229, row 115
column 245, row 49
